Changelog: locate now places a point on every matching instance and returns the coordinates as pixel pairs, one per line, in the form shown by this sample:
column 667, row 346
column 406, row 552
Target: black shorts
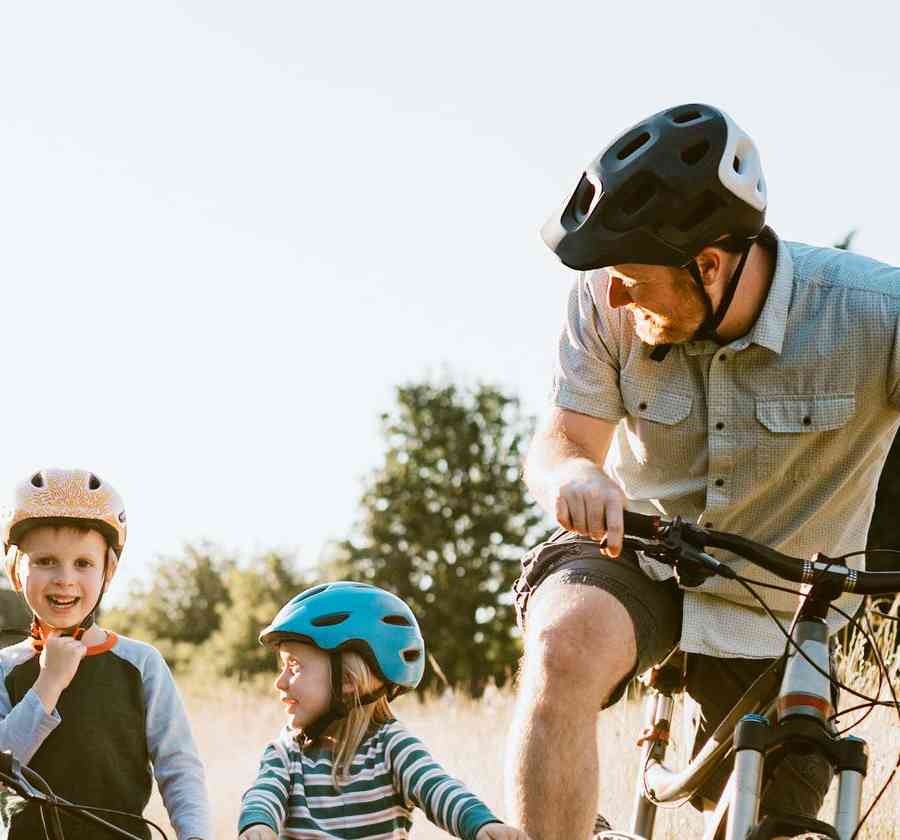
column 655, row 609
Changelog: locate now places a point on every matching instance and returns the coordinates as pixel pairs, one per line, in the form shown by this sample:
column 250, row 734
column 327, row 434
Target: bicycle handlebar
column 658, row 531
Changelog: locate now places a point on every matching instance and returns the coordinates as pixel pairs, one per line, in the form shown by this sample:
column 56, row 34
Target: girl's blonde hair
column 348, row 733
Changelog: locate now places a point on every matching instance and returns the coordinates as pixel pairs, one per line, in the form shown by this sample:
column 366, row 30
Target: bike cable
column 883, row 672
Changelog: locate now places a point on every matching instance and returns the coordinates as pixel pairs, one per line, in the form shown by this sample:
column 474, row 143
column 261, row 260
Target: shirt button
column 720, row 425
column 807, row 420
column 720, row 482
column 642, row 407
column 708, row 525
column 723, row 358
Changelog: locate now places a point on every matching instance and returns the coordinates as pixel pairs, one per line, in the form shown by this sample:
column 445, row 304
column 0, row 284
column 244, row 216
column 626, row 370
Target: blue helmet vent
column 400, row 620
column 329, row 620
column 310, row 592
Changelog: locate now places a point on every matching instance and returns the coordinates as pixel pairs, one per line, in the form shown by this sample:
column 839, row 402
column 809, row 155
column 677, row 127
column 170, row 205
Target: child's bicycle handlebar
column 23, row 780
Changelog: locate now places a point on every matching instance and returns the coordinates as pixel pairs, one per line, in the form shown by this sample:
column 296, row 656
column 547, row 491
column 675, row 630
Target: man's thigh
column 654, row 607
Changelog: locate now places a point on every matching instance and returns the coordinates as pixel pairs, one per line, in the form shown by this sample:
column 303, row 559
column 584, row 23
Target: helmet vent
column 686, row 117
column 310, row 592
column 639, row 198
column 37, row 480
column 708, row 205
column 411, row 655
column 330, row 619
column 737, row 164
column 696, row 153
column 94, row 483
column 633, row 146
column 584, row 195
column 400, row 620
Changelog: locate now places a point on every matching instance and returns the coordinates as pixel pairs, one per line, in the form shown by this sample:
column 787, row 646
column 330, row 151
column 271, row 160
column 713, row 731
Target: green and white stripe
column 392, row 773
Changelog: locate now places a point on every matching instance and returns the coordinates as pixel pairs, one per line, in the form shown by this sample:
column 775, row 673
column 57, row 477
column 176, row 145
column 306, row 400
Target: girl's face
column 304, row 684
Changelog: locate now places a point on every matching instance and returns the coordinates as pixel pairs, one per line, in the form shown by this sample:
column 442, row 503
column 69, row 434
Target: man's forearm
column 551, row 460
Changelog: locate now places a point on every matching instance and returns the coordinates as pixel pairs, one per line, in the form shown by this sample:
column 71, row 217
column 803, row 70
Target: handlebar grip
column 641, row 525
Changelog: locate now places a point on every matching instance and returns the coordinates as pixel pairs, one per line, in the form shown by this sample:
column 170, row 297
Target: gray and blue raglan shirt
column 119, row 723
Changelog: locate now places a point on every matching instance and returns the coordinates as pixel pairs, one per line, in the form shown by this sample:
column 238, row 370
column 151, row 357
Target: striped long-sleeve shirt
column 391, row 773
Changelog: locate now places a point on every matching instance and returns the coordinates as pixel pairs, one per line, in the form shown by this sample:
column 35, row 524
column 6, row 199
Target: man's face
column 666, row 304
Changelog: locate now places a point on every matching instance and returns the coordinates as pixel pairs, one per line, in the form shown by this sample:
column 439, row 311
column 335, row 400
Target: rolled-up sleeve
column 587, row 366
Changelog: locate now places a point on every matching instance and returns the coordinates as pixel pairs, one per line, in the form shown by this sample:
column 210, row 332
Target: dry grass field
column 232, row 723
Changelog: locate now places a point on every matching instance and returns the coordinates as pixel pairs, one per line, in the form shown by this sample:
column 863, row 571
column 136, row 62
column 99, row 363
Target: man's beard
column 656, row 329
column 675, row 328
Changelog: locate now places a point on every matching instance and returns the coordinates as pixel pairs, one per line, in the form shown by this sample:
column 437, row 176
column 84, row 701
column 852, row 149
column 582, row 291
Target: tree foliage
column 256, row 593
column 204, row 610
column 445, row 520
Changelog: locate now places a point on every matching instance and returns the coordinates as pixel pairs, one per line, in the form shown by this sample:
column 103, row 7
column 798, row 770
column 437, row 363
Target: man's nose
column 281, row 682
column 616, row 293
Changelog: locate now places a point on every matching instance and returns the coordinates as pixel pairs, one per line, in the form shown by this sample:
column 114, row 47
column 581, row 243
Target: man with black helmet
column 709, row 370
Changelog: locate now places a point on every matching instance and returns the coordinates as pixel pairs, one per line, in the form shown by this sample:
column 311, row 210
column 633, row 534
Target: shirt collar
column 770, row 326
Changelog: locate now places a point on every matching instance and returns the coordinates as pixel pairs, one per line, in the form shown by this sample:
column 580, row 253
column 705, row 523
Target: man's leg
column 579, row 646
column 592, row 622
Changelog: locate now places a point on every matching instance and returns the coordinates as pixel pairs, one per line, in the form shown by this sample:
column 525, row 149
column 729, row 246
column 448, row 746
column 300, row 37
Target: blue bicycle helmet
column 345, row 615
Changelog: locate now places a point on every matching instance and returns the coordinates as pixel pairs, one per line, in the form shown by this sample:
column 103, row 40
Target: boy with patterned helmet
column 109, row 702
column 344, row 766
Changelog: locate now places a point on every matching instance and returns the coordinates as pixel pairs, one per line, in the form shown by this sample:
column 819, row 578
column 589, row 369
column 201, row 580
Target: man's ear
column 112, row 563
column 710, row 263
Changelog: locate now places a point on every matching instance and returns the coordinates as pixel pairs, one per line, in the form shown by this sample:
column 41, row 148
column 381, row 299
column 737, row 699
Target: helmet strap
column 707, row 330
column 338, row 708
column 39, row 635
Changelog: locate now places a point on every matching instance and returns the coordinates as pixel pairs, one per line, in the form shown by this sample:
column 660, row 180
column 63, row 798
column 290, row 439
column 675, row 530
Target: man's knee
column 579, row 640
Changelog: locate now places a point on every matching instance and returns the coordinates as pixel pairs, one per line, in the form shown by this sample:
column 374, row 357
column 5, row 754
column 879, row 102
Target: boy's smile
column 62, row 573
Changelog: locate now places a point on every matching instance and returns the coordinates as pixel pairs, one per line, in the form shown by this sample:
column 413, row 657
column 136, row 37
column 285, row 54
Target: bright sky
column 229, row 229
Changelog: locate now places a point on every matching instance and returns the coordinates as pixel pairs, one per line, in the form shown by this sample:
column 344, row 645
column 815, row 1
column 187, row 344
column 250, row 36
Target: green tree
column 181, row 605
column 256, row 593
column 445, row 520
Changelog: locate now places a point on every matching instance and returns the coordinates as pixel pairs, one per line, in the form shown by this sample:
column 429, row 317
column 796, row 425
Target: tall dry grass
column 232, row 724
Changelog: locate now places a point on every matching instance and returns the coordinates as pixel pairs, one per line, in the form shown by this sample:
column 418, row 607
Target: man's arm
column 564, row 472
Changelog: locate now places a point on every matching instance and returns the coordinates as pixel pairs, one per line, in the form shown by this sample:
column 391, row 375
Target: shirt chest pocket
column 799, row 432
column 659, row 423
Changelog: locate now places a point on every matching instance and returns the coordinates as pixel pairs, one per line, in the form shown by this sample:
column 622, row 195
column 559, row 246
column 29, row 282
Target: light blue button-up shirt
column 779, row 436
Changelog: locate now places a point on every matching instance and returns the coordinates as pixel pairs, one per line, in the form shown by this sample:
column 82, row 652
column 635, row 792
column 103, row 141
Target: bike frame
column 787, row 708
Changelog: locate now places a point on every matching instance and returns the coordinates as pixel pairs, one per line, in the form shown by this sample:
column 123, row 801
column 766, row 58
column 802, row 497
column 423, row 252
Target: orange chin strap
column 39, row 635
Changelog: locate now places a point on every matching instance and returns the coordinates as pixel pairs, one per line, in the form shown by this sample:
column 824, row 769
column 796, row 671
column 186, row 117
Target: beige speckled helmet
column 57, row 496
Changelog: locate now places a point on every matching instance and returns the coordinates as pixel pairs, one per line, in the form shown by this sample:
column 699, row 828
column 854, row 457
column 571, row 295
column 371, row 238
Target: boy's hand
column 60, row 659
column 59, row 662
column 258, row 832
column 499, row 831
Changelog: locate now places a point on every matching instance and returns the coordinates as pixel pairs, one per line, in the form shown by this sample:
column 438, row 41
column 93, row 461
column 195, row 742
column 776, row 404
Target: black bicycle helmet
column 661, row 192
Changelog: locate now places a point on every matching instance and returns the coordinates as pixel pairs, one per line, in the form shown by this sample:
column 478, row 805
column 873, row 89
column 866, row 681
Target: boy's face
column 61, row 572
column 304, row 683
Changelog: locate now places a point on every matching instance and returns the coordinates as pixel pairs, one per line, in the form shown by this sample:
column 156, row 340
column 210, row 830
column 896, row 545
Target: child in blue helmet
column 344, row 767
